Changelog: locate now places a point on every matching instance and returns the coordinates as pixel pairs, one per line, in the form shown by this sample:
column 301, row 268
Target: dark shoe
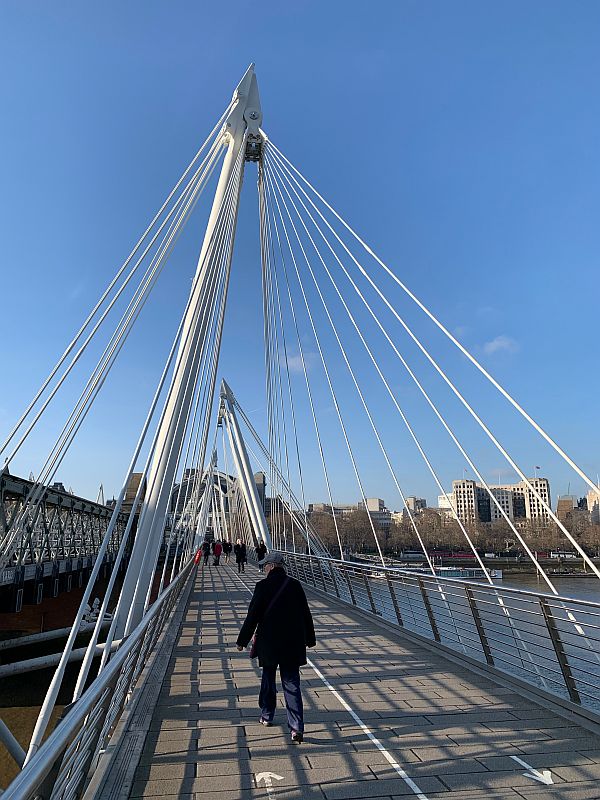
column 297, row 737
column 265, row 722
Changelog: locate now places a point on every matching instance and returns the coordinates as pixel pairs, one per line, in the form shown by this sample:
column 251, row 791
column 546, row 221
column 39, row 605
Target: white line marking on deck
column 389, row 758
column 267, row 777
column 543, row 776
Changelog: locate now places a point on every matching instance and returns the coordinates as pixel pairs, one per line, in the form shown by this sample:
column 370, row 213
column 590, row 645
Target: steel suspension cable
column 348, row 365
column 52, row 693
column 325, row 369
column 113, row 282
column 105, row 363
column 380, row 373
column 468, row 538
column 276, row 302
column 305, row 374
column 493, row 498
column 202, row 170
column 267, row 250
column 531, row 487
column 446, row 332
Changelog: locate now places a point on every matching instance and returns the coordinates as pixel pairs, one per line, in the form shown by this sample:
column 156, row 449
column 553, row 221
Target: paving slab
column 430, row 728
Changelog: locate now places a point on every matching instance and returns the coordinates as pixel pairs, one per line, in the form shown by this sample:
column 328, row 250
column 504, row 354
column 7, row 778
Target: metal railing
column 63, row 765
column 549, row 641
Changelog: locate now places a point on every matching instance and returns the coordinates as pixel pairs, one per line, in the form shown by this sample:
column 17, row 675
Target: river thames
column 580, row 588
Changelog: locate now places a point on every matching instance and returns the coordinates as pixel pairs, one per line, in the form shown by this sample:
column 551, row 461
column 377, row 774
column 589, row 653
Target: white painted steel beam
column 245, row 118
column 252, row 498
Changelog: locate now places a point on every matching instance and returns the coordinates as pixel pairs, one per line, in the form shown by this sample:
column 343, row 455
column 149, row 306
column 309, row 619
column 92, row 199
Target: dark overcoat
column 240, row 553
column 283, row 635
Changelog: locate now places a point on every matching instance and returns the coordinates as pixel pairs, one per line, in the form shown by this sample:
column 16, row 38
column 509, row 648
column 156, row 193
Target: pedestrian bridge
column 388, row 714
column 421, row 685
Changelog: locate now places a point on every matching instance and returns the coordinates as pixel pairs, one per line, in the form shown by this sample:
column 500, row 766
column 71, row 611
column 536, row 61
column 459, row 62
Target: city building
column 593, row 505
column 465, row 499
column 334, row 511
column 130, row 492
column 416, row 504
column 526, row 504
column 472, row 502
column 505, row 499
column 414, row 507
column 260, row 479
column 375, row 506
column 565, row 505
column 446, row 506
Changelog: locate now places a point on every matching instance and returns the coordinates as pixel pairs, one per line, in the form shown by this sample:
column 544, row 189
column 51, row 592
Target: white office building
column 472, row 502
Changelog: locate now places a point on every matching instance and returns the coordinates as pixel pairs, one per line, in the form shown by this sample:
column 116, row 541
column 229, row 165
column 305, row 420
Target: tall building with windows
column 472, row 502
column 505, row 501
column 465, row 501
column 593, row 506
column 381, row 516
column 526, row 504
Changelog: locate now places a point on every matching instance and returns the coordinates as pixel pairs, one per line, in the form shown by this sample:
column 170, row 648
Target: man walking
column 261, row 552
column 227, row 548
column 240, row 555
column 280, row 615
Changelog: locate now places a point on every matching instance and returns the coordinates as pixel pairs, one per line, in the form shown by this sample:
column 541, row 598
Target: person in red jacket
column 218, row 549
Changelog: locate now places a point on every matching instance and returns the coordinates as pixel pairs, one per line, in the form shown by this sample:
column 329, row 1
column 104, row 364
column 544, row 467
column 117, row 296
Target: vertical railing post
column 349, row 583
column 369, row 593
column 291, row 565
column 334, row 579
column 559, row 649
column 311, row 563
column 322, row 575
column 301, row 569
column 427, row 604
column 394, row 601
column 479, row 625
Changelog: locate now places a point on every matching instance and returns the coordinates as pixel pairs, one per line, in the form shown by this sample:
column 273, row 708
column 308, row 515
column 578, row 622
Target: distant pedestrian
column 280, row 615
column 240, row 555
column 205, row 552
column 261, row 552
column 227, row 548
column 217, row 550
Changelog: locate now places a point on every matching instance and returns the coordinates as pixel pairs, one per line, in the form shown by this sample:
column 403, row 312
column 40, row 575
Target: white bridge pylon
column 242, row 465
column 244, row 121
column 315, row 287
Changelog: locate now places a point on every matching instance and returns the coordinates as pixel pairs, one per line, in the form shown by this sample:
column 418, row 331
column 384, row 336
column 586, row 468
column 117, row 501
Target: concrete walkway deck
column 450, row 732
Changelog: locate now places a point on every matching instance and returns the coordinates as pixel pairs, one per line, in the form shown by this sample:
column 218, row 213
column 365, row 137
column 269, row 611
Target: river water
column 580, row 588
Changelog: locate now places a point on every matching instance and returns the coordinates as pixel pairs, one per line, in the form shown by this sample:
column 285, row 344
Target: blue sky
column 460, row 139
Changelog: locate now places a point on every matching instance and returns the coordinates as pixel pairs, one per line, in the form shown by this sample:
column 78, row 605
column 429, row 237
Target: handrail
column 377, row 567
column 27, row 783
column 548, row 641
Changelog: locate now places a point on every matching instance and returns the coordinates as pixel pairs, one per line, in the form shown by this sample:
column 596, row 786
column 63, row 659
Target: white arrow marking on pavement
column 545, row 776
column 267, row 777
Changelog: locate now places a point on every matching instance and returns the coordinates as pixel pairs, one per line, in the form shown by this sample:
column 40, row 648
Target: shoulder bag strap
column 275, row 596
